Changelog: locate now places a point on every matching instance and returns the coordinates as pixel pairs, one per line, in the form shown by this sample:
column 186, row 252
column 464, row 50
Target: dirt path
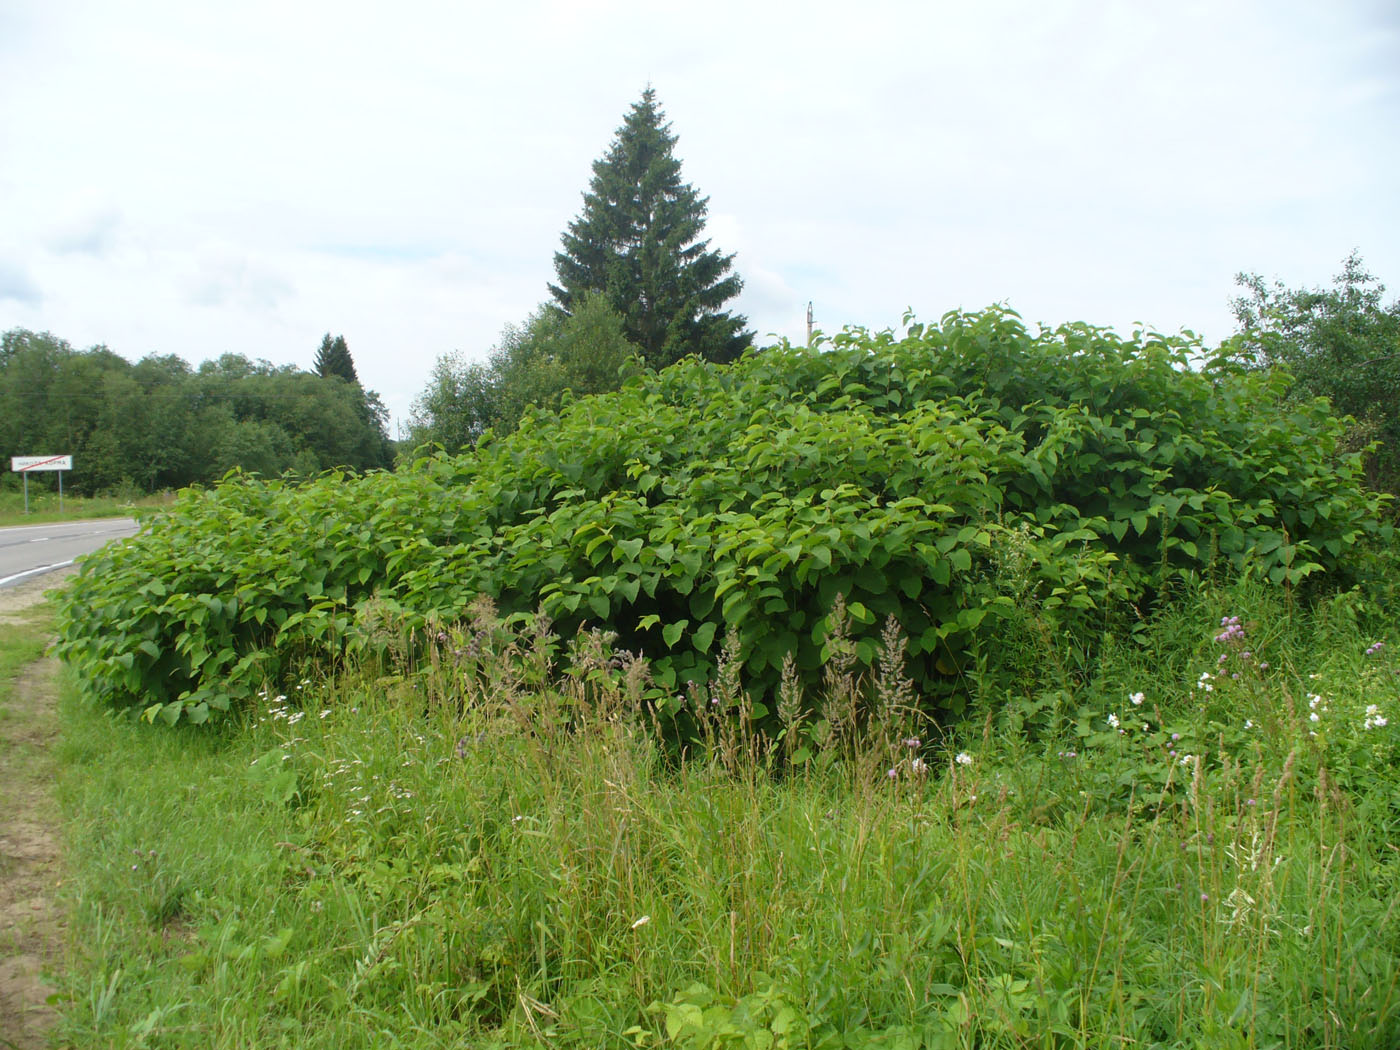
column 32, row 928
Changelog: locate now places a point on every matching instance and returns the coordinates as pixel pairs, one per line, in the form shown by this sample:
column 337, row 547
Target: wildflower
column 918, row 765
column 1249, row 802
column 1186, row 760
column 1205, row 897
column 1113, row 721
column 1234, row 630
column 1203, row 683
column 1314, row 717
column 1374, row 718
column 1176, row 736
column 1249, row 723
column 1137, row 699
column 641, row 922
column 912, row 742
column 1263, row 665
column 892, row 774
column 963, row 759
column 1373, row 650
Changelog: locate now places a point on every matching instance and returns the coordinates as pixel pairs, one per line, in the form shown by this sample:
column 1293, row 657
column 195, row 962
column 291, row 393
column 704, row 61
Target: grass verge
column 31, row 925
column 1193, row 843
column 43, row 507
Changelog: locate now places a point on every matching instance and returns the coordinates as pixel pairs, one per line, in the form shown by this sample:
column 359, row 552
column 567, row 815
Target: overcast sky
column 197, row 178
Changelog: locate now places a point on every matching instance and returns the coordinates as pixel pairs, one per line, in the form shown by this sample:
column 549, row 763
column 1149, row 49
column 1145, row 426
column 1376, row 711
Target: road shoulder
column 32, row 924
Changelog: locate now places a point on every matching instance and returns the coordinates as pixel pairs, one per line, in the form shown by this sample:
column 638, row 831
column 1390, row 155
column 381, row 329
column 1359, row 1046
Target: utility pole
column 809, row 322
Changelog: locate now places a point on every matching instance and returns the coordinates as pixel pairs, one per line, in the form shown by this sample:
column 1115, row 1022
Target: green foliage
column 333, row 359
column 1340, row 343
column 158, row 424
column 538, row 365
column 967, row 475
column 456, row 407
column 490, row 850
column 638, row 243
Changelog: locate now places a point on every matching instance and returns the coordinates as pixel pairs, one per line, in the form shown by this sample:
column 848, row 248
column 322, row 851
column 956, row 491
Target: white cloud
column 224, row 276
column 16, row 284
column 192, row 179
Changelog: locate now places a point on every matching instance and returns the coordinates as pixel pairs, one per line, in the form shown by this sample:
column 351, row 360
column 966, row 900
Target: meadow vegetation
column 1190, row 840
column 976, row 687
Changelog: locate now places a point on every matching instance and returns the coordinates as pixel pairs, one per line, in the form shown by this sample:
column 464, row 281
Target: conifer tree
column 638, row 241
column 333, row 359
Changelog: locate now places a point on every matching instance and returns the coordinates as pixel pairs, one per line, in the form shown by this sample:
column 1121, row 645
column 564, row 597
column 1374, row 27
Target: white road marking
column 4, row 580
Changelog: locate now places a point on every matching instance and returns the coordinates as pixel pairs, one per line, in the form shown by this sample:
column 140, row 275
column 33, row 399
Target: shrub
column 967, row 472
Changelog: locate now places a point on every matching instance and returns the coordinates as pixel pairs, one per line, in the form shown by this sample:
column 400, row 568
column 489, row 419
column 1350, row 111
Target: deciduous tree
column 1341, row 343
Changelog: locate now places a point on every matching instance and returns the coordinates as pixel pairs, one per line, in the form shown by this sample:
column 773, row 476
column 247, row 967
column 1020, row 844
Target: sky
column 185, row 177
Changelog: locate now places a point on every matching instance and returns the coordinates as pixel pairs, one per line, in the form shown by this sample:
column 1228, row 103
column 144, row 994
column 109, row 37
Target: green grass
column 23, row 637
column 450, row 856
column 43, row 507
column 22, row 641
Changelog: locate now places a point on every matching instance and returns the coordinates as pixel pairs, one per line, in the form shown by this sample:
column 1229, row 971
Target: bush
column 968, row 472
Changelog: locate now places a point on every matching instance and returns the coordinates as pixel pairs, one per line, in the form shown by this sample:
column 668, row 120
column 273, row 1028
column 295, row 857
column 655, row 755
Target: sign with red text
column 28, row 464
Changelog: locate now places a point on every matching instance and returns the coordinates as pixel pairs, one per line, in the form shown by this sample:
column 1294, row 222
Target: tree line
column 162, row 423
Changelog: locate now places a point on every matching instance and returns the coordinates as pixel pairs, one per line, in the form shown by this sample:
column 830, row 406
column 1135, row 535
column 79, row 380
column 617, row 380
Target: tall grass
column 492, row 848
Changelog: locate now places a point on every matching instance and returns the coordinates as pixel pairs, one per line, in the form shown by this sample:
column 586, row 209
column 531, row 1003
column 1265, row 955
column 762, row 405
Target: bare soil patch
column 32, row 926
column 14, row 600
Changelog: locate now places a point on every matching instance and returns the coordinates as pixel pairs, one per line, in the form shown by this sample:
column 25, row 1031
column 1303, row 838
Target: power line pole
column 809, row 322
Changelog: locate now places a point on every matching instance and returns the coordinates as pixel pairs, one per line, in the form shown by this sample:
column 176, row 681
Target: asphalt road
column 27, row 551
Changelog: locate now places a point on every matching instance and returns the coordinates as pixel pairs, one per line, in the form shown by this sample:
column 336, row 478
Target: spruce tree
column 333, row 359
column 637, row 242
